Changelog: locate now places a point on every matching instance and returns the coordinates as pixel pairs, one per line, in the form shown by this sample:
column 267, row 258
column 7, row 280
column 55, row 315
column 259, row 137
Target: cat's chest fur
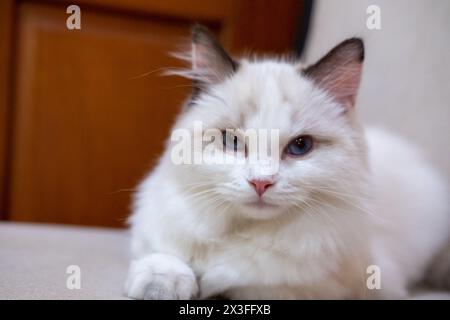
column 282, row 256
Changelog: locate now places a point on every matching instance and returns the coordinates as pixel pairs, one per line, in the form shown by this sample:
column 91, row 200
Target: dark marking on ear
column 349, row 50
column 195, row 93
column 339, row 71
column 210, row 63
column 202, row 36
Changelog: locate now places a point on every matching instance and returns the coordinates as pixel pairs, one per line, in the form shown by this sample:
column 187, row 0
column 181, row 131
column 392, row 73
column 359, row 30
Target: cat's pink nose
column 261, row 185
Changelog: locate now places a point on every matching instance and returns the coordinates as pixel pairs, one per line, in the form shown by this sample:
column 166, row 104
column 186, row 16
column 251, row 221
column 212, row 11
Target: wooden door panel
column 205, row 10
column 87, row 115
column 6, row 62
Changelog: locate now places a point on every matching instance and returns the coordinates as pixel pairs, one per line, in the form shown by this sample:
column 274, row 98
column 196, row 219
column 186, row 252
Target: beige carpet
column 34, row 259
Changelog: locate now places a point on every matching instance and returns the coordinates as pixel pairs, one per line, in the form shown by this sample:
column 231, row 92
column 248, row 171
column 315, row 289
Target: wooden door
column 85, row 113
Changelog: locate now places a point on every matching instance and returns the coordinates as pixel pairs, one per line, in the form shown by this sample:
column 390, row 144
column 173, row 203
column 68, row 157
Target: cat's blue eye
column 300, row 146
column 231, row 141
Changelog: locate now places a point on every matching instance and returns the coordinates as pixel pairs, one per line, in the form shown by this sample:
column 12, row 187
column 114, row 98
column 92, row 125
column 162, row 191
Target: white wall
column 406, row 80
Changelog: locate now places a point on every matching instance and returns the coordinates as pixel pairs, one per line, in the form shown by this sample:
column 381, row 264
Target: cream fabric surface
column 34, row 259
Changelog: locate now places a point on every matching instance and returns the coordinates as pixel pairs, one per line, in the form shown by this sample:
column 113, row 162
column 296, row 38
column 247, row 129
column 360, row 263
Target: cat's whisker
column 122, row 190
column 200, row 195
column 303, row 209
column 179, row 86
column 338, row 194
column 320, row 205
column 360, row 210
column 322, row 214
column 163, row 69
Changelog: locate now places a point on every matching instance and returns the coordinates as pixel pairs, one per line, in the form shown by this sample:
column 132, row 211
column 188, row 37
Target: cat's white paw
column 160, row 277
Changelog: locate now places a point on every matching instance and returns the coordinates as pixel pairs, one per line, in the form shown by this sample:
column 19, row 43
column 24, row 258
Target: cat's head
column 320, row 151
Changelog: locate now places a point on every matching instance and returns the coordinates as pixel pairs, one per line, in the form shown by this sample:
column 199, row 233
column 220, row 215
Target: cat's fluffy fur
column 359, row 198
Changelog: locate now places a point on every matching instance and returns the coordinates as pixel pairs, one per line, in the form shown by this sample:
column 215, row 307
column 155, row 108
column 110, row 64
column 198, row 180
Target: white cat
column 342, row 200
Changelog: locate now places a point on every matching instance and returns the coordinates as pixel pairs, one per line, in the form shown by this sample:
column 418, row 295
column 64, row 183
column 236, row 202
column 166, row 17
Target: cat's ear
column 339, row 71
column 210, row 63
